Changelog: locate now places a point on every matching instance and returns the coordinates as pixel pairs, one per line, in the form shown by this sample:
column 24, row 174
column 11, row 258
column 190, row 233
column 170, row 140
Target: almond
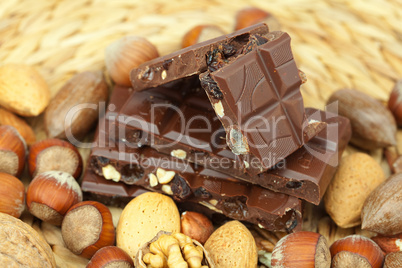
column 75, row 108
column 232, row 245
column 382, row 209
column 23, row 90
column 358, row 175
column 373, row 125
column 7, row 118
column 143, row 218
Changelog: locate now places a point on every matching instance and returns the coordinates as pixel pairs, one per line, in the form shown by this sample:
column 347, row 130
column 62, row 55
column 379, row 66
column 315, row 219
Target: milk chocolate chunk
column 118, row 194
column 307, row 172
column 253, row 84
column 202, row 140
column 259, row 101
column 191, row 60
column 186, row 182
column 96, row 188
column 181, row 122
column 129, row 169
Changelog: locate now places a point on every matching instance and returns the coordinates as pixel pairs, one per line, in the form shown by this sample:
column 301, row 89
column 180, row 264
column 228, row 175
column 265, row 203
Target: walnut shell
column 145, row 249
column 21, row 245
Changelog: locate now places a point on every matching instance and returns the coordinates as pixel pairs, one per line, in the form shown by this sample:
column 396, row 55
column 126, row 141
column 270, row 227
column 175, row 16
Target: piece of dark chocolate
column 191, row 60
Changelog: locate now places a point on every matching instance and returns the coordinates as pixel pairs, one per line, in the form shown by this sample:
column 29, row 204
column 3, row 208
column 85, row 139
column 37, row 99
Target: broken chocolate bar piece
column 186, row 182
column 119, row 194
column 191, row 60
column 253, row 84
column 307, row 172
column 259, row 101
column 181, row 122
column 204, row 143
column 96, row 188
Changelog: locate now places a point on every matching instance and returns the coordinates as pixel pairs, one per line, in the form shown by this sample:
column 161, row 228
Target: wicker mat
column 337, row 43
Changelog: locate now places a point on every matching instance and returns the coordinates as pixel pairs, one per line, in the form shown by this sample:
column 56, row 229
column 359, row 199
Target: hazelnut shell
column 54, row 155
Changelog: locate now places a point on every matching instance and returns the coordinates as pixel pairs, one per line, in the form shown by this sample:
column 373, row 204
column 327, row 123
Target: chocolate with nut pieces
column 253, row 85
column 181, row 123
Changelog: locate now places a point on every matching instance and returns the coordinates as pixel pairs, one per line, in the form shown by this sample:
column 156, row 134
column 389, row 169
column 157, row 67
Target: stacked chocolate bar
column 221, row 127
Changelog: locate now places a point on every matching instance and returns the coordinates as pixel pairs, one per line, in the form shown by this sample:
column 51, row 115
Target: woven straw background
column 340, row 43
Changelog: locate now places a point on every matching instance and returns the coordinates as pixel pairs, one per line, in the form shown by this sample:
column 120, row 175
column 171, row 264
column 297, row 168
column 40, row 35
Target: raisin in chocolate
column 180, row 188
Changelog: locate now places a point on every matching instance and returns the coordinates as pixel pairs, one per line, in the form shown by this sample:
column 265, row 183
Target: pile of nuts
column 360, row 192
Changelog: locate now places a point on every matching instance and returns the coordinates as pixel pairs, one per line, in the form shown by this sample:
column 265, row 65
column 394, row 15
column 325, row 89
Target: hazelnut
column 54, row 154
column 389, row 244
column 356, row 251
column 252, row 15
column 88, row 227
column 164, row 176
column 393, row 260
column 301, row 249
column 201, row 33
column 395, row 102
column 196, row 225
column 110, row 256
column 12, row 151
column 50, row 194
column 12, row 195
column 125, row 54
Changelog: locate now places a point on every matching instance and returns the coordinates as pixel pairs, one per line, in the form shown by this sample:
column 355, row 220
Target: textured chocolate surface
column 260, row 104
column 253, row 85
column 307, row 172
column 182, row 119
column 186, row 182
column 189, row 61
column 119, row 194
column 174, row 121
column 208, row 146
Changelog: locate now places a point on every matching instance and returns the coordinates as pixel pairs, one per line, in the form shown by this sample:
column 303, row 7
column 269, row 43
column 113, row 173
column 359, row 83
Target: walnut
column 21, row 245
column 172, row 250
